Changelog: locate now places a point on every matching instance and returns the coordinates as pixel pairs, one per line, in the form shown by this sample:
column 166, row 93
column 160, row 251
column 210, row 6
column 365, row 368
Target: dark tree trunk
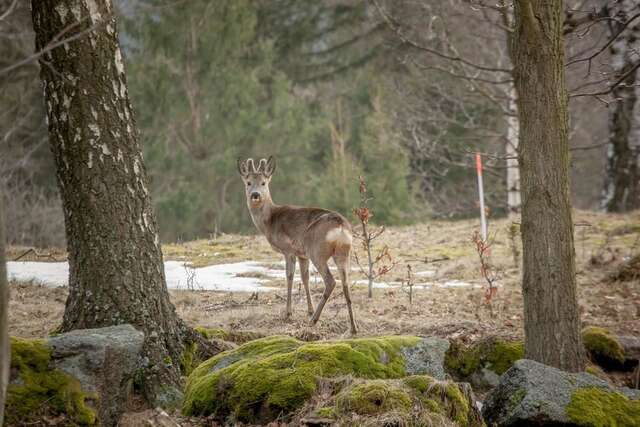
column 551, row 321
column 115, row 261
column 4, row 319
column 622, row 179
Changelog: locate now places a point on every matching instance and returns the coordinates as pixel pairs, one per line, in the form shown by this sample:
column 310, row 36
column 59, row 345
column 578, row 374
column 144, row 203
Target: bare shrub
column 33, row 217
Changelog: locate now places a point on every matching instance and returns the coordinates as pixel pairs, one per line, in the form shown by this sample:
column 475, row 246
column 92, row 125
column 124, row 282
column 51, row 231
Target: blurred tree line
column 327, row 87
column 214, row 81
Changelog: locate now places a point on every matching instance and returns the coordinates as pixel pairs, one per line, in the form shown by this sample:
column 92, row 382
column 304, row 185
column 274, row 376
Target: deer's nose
column 255, row 196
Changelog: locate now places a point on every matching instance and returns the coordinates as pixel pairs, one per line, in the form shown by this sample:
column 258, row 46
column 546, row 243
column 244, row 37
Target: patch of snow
column 221, row 277
column 455, row 284
column 48, row 273
column 426, row 273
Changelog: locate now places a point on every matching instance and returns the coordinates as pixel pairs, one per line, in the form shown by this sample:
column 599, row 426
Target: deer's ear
column 270, row 167
column 242, row 168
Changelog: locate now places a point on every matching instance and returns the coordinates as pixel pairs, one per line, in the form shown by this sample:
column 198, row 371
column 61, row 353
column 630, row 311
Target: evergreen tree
column 386, row 167
column 209, row 93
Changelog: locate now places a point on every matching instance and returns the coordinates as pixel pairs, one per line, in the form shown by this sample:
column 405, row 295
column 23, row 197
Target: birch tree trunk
column 513, row 173
column 621, row 190
column 551, row 316
column 116, row 272
column 5, row 353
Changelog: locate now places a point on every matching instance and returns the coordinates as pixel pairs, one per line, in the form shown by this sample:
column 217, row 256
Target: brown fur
column 299, row 233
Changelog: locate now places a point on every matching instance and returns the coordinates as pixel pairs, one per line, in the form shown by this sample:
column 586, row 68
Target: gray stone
column 484, row 379
column 531, row 393
column 427, row 357
column 631, row 347
column 103, row 360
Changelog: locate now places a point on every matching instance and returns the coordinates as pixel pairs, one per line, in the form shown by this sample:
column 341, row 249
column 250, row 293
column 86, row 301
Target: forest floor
column 449, row 299
column 449, row 296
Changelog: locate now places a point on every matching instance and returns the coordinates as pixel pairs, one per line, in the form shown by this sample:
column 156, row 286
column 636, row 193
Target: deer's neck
column 261, row 216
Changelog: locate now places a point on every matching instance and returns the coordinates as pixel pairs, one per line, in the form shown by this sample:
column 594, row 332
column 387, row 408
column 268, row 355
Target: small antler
column 242, row 167
column 251, row 166
column 262, row 166
column 265, row 167
column 269, row 166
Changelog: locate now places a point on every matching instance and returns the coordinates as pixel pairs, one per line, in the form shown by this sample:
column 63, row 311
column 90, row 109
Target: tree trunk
column 513, row 173
column 4, row 319
column 551, row 317
column 622, row 179
column 116, row 272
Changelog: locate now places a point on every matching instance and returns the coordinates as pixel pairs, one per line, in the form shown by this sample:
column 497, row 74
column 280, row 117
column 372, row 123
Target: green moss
column 596, row 371
column 502, row 355
column 461, row 361
column 494, row 354
column 373, row 397
column 601, row 344
column 517, row 397
column 419, row 383
column 266, row 377
column 189, row 358
column 38, row 389
column 595, row 407
column 441, row 397
column 326, row 412
column 458, row 405
column 211, row 333
column 238, row 337
column 417, row 400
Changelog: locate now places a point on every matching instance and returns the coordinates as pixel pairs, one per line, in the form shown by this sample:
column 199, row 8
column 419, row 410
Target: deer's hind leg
column 290, row 264
column 329, row 284
column 304, row 275
column 341, row 259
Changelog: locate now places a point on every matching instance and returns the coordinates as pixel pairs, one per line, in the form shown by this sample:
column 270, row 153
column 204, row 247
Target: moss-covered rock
column 595, row 407
column 474, row 363
column 602, row 346
column 417, row 400
column 36, row 388
column 531, row 393
column 265, row 378
column 84, row 376
column 374, row 397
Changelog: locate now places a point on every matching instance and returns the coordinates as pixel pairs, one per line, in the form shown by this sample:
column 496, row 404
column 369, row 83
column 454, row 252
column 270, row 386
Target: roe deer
column 299, row 232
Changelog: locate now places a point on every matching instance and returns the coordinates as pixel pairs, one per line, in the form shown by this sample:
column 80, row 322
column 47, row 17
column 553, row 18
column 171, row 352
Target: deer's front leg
column 290, row 263
column 304, row 275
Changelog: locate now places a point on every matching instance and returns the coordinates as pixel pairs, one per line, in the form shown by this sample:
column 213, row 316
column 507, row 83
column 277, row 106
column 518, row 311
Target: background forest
column 333, row 89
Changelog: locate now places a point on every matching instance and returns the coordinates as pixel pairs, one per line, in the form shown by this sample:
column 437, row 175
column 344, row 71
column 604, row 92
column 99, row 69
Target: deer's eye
column 263, row 183
column 248, row 184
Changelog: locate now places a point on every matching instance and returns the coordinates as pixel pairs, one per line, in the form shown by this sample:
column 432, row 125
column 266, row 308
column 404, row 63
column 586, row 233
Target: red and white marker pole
column 483, row 219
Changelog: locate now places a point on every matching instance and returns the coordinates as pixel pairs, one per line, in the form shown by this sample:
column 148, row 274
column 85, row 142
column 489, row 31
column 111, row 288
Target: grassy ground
column 602, row 242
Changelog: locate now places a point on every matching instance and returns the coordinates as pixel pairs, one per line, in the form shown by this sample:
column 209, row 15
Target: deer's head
column 256, row 179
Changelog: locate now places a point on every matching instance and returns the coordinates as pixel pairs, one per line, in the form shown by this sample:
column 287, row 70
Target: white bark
column 621, row 190
column 511, row 150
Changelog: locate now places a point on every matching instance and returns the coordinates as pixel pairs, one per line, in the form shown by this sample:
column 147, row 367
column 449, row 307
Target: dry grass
column 602, row 243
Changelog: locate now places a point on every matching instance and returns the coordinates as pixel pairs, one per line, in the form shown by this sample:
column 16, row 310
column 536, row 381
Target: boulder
column 84, row 375
column 531, row 393
column 631, row 347
column 417, row 400
column 603, row 347
column 263, row 379
column 482, row 363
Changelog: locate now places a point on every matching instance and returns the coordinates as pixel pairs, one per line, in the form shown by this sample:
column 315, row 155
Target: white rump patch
column 339, row 235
